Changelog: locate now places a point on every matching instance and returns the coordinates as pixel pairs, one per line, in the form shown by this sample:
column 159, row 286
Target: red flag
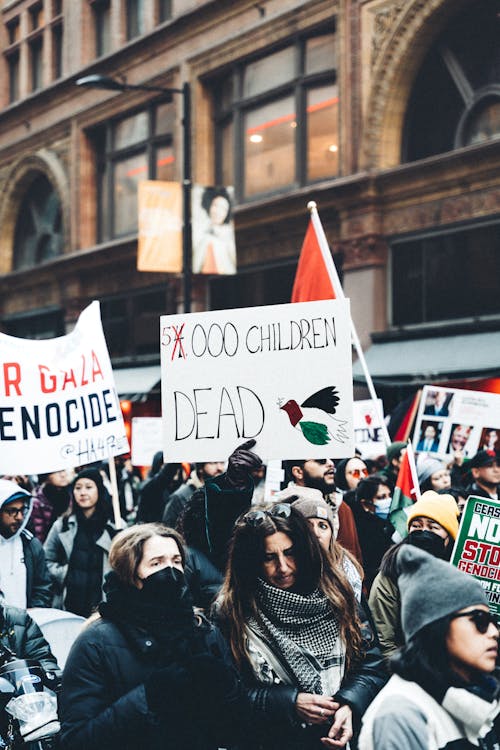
column 406, row 492
column 312, row 281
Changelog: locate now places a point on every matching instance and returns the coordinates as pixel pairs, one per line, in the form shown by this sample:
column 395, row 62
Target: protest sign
column 451, row 419
column 477, row 547
column 281, row 374
column 368, row 433
column 146, row 439
column 58, row 403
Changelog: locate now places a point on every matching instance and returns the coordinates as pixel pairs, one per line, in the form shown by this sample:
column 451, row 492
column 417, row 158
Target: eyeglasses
column 257, row 517
column 480, row 618
column 358, row 473
column 13, row 512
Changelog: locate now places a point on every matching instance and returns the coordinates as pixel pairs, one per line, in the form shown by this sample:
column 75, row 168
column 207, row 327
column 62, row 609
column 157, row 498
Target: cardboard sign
column 477, row 547
column 58, row 402
column 450, row 419
column 146, row 439
column 368, row 436
column 280, row 374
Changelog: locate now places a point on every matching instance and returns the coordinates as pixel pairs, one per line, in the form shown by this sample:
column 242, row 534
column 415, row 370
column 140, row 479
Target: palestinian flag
column 406, row 492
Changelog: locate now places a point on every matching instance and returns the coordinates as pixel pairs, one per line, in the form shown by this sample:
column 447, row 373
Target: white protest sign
column 58, row 403
column 280, row 374
column 368, row 435
column 451, row 419
column 146, row 439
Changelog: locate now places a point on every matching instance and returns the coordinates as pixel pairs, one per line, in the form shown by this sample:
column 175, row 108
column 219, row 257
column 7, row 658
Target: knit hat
column 440, row 508
column 316, row 508
column 395, row 449
column 427, row 467
column 309, row 498
column 96, row 476
column 431, row 589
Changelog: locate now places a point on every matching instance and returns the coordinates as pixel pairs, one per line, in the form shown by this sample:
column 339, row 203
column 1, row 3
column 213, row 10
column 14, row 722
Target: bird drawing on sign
column 315, row 417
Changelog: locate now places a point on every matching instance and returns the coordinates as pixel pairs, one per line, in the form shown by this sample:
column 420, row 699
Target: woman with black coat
column 150, row 672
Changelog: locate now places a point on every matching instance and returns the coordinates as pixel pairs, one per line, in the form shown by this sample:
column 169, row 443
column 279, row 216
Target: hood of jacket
column 10, row 491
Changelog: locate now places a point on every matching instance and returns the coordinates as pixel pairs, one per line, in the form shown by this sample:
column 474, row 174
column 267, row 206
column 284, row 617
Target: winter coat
column 403, row 715
column 375, row 539
column 43, row 513
column 58, row 548
column 204, row 580
column 21, row 635
column 38, row 582
column 385, row 605
column 179, row 499
column 359, row 686
column 104, row 701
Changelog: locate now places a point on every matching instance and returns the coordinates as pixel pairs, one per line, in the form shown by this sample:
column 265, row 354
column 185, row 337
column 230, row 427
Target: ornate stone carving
column 383, row 23
column 369, row 250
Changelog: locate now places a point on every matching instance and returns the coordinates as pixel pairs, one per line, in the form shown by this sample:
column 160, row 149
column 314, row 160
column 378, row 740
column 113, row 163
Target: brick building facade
column 385, row 112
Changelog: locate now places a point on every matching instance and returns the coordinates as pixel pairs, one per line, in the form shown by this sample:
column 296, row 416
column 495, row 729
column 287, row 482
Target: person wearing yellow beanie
column 432, row 527
column 436, row 509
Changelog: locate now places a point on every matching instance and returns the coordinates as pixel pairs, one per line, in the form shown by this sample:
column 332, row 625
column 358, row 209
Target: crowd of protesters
column 215, row 620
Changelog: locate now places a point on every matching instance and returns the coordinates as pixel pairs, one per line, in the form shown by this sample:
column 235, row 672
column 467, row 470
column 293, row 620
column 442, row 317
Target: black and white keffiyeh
column 305, row 632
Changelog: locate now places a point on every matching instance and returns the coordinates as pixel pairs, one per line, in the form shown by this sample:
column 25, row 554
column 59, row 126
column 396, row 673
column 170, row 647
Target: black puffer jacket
column 104, row 704
column 21, row 635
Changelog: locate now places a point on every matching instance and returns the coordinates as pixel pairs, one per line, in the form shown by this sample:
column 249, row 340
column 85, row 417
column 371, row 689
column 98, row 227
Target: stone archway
column 403, row 34
column 23, row 174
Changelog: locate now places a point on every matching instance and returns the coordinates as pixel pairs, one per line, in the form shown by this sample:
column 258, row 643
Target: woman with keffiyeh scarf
column 292, row 621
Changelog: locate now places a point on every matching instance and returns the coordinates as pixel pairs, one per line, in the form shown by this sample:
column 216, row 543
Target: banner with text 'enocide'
column 58, row 403
column 281, row 374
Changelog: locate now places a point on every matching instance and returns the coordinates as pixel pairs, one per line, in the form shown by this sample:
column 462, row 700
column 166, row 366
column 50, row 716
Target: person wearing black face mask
column 433, row 527
column 150, row 672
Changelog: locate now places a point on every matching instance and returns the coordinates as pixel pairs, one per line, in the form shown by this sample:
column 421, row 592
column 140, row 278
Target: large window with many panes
column 131, row 149
column 277, row 118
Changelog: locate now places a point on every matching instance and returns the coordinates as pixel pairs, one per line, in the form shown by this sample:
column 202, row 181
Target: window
column 102, row 20
column 447, row 276
column 40, row 324
column 135, row 18
column 57, row 50
column 13, row 65
column 277, row 119
column 164, row 10
column 270, row 287
column 38, row 233
column 13, row 31
column 138, row 314
column 455, row 100
column 135, row 148
column 36, row 17
column 36, row 63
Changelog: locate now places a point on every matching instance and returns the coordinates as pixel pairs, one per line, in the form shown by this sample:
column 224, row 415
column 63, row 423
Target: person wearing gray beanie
column 444, row 692
column 433, row 475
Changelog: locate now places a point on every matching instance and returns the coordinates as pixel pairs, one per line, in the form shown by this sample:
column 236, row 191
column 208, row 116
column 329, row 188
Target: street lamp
column 111, row 84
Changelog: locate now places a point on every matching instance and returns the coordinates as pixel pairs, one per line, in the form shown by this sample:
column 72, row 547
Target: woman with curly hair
column 293, row 626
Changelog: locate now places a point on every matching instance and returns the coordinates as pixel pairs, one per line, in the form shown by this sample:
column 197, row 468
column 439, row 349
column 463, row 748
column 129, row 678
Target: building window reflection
column 277, row 118
column 38, row 234
column 129, row 150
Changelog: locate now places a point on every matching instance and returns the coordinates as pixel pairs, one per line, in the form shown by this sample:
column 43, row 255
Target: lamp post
column 111, row 84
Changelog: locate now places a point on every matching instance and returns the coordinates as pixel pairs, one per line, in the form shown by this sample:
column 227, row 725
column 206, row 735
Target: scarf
column 171, row 625
column 303, row 629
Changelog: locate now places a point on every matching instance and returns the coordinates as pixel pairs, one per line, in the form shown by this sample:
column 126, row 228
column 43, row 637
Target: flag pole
column 339, row 293
column 413, row 469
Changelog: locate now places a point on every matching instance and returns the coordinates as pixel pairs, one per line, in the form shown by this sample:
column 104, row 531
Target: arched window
column 38, row 234
column 455, row 100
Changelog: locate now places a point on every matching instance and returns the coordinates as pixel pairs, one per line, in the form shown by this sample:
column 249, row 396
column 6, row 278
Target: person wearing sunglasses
column 292, row 622
column 24, row 576
column 444, row 692
column 349, row 473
